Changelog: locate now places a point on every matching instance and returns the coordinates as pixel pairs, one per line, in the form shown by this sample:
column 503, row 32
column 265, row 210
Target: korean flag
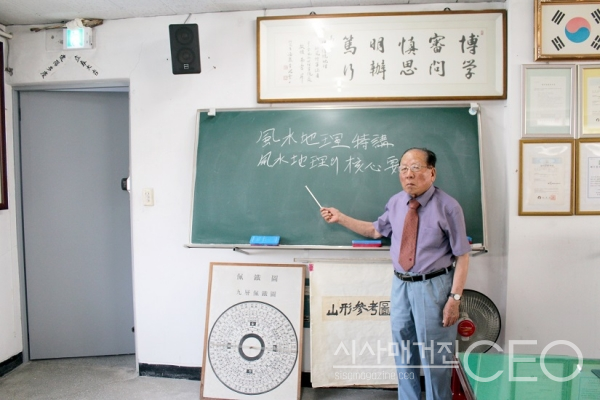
column 570, row 29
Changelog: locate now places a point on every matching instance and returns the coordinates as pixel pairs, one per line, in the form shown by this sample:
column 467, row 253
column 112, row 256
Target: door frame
column 105, row 86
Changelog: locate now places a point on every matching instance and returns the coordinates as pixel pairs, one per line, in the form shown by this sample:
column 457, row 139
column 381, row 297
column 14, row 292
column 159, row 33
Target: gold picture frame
column 589, row 100
column 546, row 172
column 410, row 56
column 567, row 30
column 3, row 174
column 587, row 187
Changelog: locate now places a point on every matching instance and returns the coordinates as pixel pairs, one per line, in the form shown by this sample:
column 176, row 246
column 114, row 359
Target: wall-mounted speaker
column 185, row 48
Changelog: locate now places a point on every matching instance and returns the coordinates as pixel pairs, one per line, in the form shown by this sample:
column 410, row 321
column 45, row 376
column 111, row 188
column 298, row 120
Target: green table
column 526, row 377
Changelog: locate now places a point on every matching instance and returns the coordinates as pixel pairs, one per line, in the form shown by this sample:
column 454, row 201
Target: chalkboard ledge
column 243, row 247
column 476, row 248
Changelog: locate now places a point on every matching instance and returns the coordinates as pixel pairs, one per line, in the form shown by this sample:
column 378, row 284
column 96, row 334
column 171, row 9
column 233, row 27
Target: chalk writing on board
column 348, row 163
column 406, row 56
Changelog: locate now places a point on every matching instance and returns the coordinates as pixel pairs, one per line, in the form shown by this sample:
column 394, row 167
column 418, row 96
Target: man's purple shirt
column 442, row 232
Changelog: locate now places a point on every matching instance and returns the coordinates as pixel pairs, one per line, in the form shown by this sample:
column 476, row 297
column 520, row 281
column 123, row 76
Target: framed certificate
column 588, row 177
column 546, row 177
column 567, row 30
column 445, row 55
column 548, row 100
column 589, row 100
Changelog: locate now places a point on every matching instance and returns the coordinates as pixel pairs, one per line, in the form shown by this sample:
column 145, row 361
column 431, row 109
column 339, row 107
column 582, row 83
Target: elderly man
column 430, row 255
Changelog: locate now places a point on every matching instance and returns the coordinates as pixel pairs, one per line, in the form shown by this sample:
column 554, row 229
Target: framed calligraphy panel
column 3, row 175
column 546, row 171
column 567, row 30
column 446, row 55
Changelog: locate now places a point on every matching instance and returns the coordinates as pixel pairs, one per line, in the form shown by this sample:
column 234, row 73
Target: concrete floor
column 115, row 378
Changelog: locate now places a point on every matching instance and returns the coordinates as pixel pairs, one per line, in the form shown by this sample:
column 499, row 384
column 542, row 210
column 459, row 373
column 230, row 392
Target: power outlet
column 148, row 195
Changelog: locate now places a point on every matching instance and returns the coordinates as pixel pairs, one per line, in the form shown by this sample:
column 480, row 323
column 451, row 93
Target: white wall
column 11, row 342
column 170, row 281
column 553, row 262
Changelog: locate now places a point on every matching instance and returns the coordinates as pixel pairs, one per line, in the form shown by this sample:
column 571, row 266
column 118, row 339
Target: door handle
column 125, row 184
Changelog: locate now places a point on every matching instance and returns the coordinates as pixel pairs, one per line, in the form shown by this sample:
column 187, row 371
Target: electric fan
column 479, row 319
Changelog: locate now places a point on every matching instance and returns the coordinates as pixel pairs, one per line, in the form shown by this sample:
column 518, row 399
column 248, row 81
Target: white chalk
column 313, row 196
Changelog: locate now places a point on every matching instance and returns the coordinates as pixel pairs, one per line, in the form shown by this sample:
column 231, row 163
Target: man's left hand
column 450, row 315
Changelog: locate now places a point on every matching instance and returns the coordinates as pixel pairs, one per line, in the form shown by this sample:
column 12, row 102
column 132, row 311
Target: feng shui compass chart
column 253, row 332
column 252, row 347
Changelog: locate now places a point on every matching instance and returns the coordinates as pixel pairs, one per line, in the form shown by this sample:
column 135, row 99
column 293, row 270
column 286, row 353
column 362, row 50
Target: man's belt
column 418, row 278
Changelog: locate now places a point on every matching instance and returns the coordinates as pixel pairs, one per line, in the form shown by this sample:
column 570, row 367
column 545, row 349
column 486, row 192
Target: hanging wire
column 8, row 69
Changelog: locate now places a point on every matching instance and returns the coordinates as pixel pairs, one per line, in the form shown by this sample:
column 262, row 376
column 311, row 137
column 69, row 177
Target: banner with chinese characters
column 351, row 341
column 71, row 59
column 391, row 56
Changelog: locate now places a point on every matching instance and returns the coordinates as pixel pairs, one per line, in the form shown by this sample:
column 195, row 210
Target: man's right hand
column 330, row 214
column 364, row 228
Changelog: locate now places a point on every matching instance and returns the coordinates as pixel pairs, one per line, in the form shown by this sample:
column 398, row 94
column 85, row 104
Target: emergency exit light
column 77, row 38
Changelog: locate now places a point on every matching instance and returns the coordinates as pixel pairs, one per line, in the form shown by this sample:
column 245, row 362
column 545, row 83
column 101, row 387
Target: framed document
column 446, row 55
column 546, row 177
column 587, row 191
column 548, row 100
column 567, row 30
column 253, row 334
column 3, row 175
column 589, row 100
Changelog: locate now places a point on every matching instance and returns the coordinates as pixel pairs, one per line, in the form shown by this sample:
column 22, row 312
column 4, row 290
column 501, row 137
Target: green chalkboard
column 252, row 167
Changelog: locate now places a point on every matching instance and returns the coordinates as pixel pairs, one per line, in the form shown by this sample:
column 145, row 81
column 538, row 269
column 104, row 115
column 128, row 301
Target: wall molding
column 170, row 371
column 190, row 373
column 194, row 373
column 10, row 364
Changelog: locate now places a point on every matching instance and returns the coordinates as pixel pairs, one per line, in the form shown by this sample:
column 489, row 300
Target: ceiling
column 40, row 12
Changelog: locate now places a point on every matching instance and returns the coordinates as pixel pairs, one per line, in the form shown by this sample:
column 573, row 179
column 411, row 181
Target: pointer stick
column 313, row 196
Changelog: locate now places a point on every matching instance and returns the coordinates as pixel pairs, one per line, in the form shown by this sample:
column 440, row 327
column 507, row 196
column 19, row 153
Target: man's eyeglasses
column 414, row 168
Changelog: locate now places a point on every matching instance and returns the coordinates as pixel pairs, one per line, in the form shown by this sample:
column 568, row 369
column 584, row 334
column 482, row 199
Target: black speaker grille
column 184, row 35
column 185, row 56
column 185, row 48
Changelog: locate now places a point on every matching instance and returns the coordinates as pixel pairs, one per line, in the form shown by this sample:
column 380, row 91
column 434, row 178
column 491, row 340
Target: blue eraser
column 265, row 240
column 366, row 243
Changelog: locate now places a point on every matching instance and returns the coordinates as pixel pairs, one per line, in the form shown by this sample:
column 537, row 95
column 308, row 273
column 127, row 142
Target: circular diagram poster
column 252, row 344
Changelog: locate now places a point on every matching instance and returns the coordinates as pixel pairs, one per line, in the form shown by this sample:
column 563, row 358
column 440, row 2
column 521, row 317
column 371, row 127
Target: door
column 76, row 223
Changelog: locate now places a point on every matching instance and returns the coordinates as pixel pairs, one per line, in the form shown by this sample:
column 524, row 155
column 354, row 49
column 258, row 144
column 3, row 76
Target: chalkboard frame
column 244, row 247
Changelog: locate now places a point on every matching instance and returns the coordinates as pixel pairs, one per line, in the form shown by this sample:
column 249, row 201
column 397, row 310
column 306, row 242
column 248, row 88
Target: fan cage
column 486, row 317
